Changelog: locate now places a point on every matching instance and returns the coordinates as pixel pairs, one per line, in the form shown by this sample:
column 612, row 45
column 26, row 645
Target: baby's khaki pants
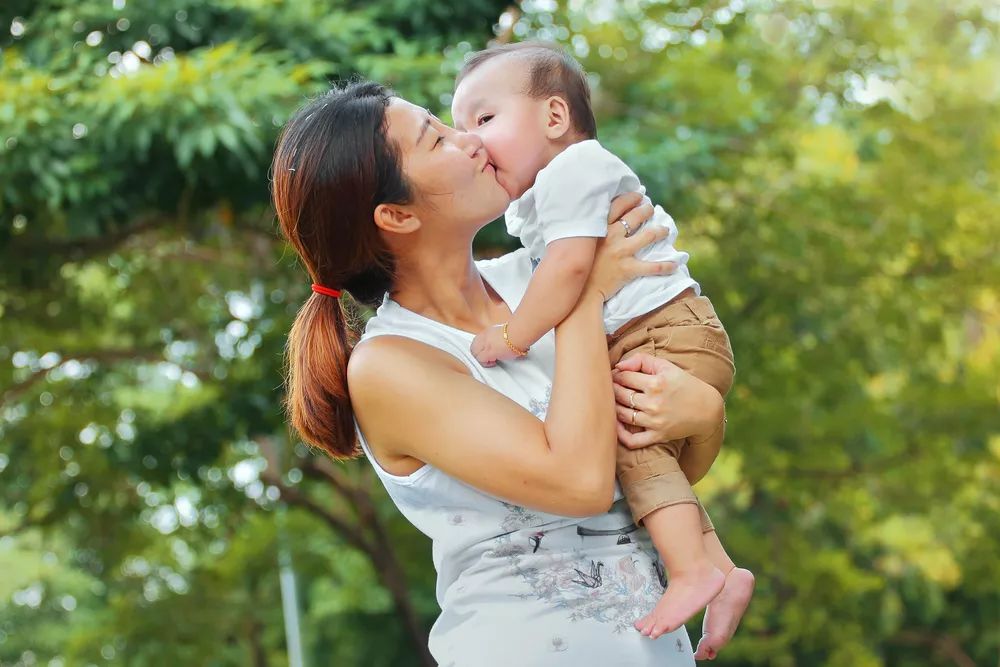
column 687, row 332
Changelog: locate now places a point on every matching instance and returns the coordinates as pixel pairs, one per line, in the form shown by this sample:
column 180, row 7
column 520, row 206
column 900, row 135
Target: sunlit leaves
column 833, row 169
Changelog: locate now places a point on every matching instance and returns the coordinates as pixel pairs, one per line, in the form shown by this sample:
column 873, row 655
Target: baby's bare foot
column 687, row 593
column 724, row 613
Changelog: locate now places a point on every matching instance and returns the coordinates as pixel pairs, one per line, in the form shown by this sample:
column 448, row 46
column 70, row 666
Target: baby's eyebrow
column 470, row 109
column 474, row 107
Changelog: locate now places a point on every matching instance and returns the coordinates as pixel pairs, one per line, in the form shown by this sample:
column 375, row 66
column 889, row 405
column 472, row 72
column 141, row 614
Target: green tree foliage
column 833, row 169
column 144, row 299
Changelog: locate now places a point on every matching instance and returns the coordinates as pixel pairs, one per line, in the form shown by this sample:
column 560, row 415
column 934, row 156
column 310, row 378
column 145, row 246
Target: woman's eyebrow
column 423, row 128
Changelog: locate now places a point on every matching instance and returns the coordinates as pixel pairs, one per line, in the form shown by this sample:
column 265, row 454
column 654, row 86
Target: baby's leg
column 724, row 613
column 655, row 483
column 698, row 455
column 703, row 350
column 661, row 498
column 694, row 339
column 694, row 580
column 689, row 334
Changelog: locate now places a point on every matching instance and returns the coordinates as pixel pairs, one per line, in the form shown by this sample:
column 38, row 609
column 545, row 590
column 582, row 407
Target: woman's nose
column 470, row 143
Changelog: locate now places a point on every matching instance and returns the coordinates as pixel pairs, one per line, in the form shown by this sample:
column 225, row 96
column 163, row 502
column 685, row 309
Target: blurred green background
column 833, row 166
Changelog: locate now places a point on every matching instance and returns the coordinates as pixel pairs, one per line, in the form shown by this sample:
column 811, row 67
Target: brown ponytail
column 332, row 166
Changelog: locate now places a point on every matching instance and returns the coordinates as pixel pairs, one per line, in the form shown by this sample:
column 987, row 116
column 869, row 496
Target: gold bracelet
column 515, row 350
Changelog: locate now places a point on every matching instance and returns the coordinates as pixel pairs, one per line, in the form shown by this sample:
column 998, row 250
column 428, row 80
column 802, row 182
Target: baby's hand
column 489, row 347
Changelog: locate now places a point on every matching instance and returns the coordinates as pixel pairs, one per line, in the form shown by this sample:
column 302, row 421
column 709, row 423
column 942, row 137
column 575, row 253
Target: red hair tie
column 319, row 289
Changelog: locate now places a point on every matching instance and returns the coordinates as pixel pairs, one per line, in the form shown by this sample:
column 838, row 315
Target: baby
column 530, row 104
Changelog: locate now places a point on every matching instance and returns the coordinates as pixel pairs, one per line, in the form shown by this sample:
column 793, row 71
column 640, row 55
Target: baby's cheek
column 502, row 142
column 497, row 149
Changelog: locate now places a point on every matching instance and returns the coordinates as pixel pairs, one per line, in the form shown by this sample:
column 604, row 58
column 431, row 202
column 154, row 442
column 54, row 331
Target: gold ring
column 631, row 400
column 628, row 230
column 633, row 416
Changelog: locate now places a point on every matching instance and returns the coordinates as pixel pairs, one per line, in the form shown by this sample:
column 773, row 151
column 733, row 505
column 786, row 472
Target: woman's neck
column 447, row 287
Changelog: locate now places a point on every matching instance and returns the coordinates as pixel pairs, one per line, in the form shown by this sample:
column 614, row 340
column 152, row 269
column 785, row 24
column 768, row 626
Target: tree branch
column 944, row 645
column 856, row 467
column 293, row 496
column 379, row 548
column 77, row 249
column 323, row 469
column 28, row 523
column 100, row 356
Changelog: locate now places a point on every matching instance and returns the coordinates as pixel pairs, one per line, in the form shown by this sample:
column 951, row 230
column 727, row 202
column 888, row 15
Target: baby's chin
column 514, row 190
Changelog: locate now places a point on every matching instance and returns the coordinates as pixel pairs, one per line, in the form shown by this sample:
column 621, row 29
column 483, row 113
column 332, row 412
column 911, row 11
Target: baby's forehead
column 496, row 79
column 488, row 97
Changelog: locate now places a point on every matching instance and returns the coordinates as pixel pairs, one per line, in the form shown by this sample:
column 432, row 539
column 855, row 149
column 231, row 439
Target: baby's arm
column 571, row 202
column 553, row 291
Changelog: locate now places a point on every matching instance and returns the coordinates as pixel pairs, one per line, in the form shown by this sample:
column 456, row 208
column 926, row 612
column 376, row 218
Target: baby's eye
column 438, row 140
column 485, row 118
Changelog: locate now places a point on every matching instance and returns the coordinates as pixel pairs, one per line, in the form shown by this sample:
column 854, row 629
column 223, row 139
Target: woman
column 381, row 199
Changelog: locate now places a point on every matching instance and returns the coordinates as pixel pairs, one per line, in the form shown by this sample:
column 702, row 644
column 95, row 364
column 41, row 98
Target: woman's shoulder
column 398, row 357
column 396, row 340
column 373, row 356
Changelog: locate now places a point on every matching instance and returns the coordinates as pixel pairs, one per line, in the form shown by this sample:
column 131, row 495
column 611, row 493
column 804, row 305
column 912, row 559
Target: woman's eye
column 484, row 119
column 438, row 141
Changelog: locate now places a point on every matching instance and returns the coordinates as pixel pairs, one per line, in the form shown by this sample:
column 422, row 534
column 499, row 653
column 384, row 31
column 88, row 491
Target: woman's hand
column 615, row 263
column 658, row 402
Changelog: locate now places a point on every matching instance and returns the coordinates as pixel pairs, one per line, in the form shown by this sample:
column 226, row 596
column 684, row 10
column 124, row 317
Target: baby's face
column 490, row 102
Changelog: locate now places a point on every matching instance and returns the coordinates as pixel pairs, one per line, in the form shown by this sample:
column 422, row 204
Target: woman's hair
column 333, row 164
column 551, row 71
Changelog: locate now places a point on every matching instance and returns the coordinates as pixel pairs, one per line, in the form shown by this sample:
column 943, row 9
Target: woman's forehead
column 406, row 121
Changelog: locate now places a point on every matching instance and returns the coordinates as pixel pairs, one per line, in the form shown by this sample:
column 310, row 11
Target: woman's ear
column 558, row 121
column 395, row 219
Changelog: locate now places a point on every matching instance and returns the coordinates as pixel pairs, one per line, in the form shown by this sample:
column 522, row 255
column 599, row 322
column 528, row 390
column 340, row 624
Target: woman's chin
column 501, row 209
column 497, row 207
column 501, row 188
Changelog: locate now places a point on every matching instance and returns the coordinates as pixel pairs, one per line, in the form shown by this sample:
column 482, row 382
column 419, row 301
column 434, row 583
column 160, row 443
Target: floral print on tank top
column 617, row 592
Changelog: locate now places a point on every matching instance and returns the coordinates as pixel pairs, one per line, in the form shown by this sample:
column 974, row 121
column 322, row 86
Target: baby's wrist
column 515, row 339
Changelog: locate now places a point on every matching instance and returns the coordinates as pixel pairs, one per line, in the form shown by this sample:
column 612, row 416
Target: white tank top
column 519, row 587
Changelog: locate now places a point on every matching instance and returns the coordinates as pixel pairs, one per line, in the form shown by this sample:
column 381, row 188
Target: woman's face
column 451, row 174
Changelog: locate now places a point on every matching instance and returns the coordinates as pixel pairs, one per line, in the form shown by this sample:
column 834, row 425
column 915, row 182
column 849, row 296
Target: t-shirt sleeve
column 573, row 199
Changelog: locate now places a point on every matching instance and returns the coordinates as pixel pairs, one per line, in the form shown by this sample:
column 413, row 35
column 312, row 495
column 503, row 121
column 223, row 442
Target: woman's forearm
column 580, row 422
column 581, row 426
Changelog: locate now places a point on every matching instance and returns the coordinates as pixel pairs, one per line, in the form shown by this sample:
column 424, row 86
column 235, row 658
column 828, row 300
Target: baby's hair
column 551, row 71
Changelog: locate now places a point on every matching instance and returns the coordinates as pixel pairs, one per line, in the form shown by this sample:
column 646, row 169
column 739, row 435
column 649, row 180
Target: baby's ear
column 558, row 118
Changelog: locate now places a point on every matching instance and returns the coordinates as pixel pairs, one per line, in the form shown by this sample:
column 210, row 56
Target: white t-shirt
column 519, row 587
column 571, row 198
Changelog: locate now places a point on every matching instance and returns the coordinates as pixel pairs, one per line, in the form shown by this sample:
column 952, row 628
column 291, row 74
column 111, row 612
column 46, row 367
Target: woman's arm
column 417, row 402
column 422, row 403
